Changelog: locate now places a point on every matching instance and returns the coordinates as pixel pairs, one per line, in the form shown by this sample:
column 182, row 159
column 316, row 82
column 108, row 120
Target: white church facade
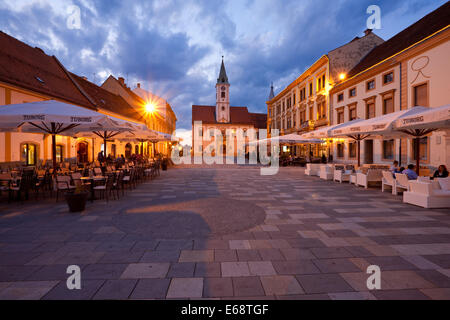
column 224, row 118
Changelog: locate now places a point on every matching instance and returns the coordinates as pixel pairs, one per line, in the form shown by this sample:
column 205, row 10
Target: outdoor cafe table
column 92, row 180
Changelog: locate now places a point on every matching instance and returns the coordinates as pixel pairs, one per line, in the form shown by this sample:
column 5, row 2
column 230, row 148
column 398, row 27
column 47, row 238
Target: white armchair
column 372, row 176
column 342, row 175
column 313, row 169
column 388, row 181
column 401, row 182
column 433, row 194
column 326, row 172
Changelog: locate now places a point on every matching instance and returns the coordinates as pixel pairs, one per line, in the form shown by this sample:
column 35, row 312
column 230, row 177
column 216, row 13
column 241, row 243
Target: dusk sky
column 174, row 47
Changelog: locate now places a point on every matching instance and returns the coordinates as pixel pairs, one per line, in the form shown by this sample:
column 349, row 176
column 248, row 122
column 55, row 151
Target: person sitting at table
column 441, row 172
column 410, row 173
column 394, row 168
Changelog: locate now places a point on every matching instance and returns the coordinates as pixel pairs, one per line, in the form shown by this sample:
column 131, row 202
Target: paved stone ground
column 227, row 233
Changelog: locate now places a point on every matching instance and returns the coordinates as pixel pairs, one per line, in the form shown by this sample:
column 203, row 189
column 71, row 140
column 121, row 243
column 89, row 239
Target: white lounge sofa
column 342, row 175
column 372, row 176
column 327, row 172
column 313, row 169
column 433, row 194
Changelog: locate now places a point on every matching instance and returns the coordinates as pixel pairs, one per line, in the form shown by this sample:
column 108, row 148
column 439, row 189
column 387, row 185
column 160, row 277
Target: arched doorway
column 128, row 150
column 82, row 152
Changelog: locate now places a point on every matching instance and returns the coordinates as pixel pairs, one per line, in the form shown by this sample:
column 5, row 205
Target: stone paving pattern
column 227, row 233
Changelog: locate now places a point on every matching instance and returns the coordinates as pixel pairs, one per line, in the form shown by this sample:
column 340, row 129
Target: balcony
column 321, row 123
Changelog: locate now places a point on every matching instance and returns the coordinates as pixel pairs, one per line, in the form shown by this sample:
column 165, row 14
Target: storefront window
column 28, row 154
column 59, row 154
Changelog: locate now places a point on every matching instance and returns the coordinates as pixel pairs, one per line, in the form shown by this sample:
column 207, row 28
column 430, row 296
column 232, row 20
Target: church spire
column 272, row 94
column 223, row 78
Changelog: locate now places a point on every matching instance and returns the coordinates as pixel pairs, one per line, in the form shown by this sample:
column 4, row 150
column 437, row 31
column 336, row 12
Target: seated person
column 394, row 168
column 441, row 172
column 410, row 173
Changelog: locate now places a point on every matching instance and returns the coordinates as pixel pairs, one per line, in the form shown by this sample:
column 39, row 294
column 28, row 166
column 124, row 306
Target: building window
column 370, row 85
column 388, row 149
column 340, row 150
column 223, row 94
column 352, row 92
column 388, row 105
column 340, row 97
column 340, row 116
column 423, row 149
column 28, row 154
column 302, row 116
column 293, row 97
column 352, row 113
column 113, row 151
column 310, row 89
column 59, row 154
column 321, row 111
column 352, row 150
column 370, row 110
column 128, row 149
column 311, row 113
column 388, row 77
column 302, row 94
column 421, row 95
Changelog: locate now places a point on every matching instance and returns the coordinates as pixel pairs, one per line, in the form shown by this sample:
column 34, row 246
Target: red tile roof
column 107, row 100
column 30, row 68
column 431, row 23
column 239, row 115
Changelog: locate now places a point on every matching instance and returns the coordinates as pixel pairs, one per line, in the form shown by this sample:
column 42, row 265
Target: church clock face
column 223, row 88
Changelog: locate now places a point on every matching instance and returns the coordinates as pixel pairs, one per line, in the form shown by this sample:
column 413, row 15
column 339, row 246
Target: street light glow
column 150, row 107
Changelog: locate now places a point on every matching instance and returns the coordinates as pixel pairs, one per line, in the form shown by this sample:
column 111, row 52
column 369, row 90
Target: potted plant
column 76, row 200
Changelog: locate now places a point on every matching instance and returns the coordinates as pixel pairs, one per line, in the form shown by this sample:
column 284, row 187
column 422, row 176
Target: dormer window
column 40, row 80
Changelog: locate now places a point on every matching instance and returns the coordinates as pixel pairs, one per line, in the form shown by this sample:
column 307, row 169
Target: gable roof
column 30, row 68
column 428, row 25
column 107, row 100
column 238, row 115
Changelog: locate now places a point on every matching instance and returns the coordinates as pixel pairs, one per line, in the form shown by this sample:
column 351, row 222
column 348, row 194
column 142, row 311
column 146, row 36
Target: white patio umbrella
column 426, row 119
column 341, row 130
column 288, row 139
column 106, row 129
column 421, row 121
column 50, row 117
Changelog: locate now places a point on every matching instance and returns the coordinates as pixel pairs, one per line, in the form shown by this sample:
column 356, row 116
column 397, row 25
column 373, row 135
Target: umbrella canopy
column 289, row 139
column 106, row 129
column 50, row 117
column 321, row 133
column 382, row 126
column 421, row 118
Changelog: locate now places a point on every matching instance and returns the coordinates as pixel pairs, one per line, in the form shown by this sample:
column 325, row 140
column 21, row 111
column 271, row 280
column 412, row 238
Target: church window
column 223, row 94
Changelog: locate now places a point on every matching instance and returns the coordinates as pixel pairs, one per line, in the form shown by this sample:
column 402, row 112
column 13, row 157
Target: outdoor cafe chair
column 388, row 181
column 63, row 184
column 98, row 171
column 401, row 182
column 105, row 187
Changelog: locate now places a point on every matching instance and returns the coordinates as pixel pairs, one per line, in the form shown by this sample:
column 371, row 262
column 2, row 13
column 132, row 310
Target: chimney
column 367, row 32
column 122, row 81
column 139, row 85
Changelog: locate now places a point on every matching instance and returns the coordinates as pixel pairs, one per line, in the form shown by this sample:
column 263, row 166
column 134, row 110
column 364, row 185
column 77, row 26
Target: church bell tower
column 223, row 96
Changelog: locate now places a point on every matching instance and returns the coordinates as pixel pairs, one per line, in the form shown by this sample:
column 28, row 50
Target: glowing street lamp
column 150, row 107
column 342, row 76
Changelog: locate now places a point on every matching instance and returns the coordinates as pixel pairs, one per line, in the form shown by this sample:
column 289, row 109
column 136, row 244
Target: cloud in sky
column 174, row 47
